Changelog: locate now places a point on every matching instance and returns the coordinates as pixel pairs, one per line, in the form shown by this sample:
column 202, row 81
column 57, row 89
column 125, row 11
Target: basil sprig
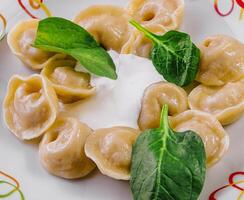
column 167, row 165
column 63, row 36
column 174, row 55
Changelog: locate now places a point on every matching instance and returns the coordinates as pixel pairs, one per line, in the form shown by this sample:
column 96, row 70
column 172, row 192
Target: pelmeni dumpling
column 110, row 149
column 155, row 96
column 158, row 13
column 215, row 139
column 108, row 24
column 225, row 102
column 69, row 85
column 62, row 149
column 158, row 16
column 138, row 44
column 222, row 60
column 20, row 40
column 30, row 106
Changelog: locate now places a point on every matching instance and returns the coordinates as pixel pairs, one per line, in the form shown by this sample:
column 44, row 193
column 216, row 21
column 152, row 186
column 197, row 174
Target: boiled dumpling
column 163, row 14
column 20, row 39
column 225, row 102
column 30, row 106
column 110, row 149
column 215, row 139
column 158, row 16
column 222, row 60
column 62, row 149
column 69, row 85
column 155, row 96
column 138, row 44
column 108, row 24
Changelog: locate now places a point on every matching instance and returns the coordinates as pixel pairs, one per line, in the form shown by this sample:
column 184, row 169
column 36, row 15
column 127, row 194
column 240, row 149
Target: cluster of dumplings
column 69, row 148
column 110, row 24
column 217, row 101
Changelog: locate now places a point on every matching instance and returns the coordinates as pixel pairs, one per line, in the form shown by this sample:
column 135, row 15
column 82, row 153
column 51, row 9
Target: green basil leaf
column 167, row 165
column 174, row 55
column 63, row 36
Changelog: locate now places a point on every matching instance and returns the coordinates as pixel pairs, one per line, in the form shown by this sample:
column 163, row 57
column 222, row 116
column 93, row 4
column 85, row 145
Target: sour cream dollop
column 117, row 102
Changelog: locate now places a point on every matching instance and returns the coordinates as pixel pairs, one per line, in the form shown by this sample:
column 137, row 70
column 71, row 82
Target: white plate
column 21, row 161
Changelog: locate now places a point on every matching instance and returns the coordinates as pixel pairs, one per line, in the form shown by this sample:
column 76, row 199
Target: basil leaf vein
column 63, row 36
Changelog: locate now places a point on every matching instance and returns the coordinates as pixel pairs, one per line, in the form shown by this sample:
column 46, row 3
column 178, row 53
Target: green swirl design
column 16, row 189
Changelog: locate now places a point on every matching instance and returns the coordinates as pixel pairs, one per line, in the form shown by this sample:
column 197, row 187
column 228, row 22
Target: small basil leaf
column 63, row 36
column 167, row 165
column 174, row 55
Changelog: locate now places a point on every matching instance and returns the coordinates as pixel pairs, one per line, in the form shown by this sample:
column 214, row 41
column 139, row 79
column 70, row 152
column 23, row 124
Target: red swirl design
column 240, row 3
column 33, row 5
column 232, row 183
column 216, row 7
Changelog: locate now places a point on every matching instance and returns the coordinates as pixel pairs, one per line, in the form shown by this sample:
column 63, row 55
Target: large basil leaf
column 174, row 55
column 167, row 165
column 63, row 36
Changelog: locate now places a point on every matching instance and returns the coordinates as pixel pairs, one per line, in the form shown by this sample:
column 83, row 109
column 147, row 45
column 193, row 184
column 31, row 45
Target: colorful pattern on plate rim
column 240, row 3
column 3, row 24
column 33, row 4
column 11, row 182
column 232, row 184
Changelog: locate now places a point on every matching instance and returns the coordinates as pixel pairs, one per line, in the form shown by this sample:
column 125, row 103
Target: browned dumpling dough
column 154, row 97
column 30, row 106
column 222, row 60
column 62, row 149
column 108, row 24
column 159, row 16
column 110, row 149
column 225, row 102
column 215, row 139
column 20, row 40
column 69, row 84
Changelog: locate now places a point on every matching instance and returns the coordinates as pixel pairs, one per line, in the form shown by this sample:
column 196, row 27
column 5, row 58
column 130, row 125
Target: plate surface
column 21, row 160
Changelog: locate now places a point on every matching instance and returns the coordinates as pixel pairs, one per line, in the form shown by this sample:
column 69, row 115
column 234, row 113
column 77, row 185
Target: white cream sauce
column 117, row 102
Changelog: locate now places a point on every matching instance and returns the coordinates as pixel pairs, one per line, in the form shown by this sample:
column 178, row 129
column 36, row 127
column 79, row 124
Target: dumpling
column 108, row 24
column 69, row 85
column 62, row 149
column 159, row 16
column 30, row 106
column 110, row 149
column 215, row 139
column 222, row 60
column 164, row 14
column 225, row 102
column 154, row 97
column 138, row 44
column 20, row 39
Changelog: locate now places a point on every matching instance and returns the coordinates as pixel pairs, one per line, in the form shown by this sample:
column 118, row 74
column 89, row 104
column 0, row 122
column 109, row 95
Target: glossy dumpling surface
column 70, row 85
column 157, row 13
column 30, row 106
column 225, row 102
column 110, row 149
column 138, row 44
column 62, row 149
column 222, row 60
column 108, row 24
column 215, row 139
column 159, row 16
column 20, row 39
column 154, row 97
